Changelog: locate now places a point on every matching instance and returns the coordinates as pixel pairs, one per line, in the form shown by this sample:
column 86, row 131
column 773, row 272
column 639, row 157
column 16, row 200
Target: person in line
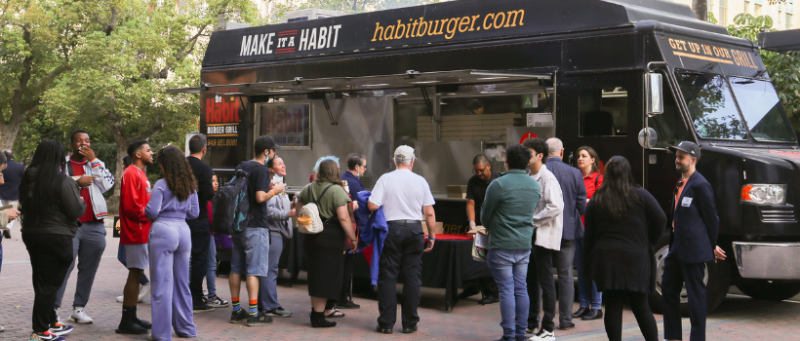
column 250, row 253
column 406, row 200
column 695, row 226
column 590, row 299
column 94, row 179
column 51, row 204
column 134, row 232
column 174, row 201
column 548, row 225
column 201, row 230
column 623, row 224
column 11, row 175
column 511, row 201
column 279, row 212
column 9, row 214
column 144, row 287
column 482, row 176
column 324, row 250
column 211, row 264
column 356, row 167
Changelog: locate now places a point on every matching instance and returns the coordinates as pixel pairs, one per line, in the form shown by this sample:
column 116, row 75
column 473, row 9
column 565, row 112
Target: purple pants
column 170, row 248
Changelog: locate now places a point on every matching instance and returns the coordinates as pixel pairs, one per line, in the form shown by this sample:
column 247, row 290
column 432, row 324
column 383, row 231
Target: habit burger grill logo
column 290, row 41
column 222, row 119
column 448, row 27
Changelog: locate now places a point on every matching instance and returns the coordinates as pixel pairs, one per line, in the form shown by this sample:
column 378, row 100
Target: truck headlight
column 764, row 194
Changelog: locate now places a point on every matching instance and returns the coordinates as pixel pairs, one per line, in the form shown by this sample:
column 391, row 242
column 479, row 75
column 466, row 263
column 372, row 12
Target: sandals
column 334, row 314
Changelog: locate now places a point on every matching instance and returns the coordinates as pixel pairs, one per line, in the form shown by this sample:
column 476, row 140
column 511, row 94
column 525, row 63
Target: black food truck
column 627, row 77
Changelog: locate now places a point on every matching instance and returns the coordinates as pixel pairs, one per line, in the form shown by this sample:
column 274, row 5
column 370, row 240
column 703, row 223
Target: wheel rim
column 661, row 256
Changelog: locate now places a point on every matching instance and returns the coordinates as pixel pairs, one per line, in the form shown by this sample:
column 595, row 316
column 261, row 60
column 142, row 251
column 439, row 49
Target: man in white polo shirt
column 406, row 198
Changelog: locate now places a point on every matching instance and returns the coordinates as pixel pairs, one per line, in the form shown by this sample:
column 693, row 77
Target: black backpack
column 232, row 205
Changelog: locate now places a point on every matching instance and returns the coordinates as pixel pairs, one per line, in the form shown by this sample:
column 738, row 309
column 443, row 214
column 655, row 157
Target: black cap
column 688, row 147
column 265, row 142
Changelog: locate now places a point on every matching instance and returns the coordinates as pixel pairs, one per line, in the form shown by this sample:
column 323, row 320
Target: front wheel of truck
column 762, row 289
column 717, row 279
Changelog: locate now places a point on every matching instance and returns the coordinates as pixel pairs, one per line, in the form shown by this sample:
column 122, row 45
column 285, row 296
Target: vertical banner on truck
column 287, row 123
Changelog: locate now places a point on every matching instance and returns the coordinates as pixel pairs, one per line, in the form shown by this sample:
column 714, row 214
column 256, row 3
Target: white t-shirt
column 402, row 194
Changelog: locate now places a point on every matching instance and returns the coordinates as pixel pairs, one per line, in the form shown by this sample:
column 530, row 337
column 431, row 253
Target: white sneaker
column 121, row 298
column 544, row 335
column 79, row 316
column 144, row 292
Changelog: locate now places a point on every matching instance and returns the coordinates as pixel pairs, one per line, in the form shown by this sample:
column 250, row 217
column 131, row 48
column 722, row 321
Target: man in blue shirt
column 356, row 167
column 12, row 175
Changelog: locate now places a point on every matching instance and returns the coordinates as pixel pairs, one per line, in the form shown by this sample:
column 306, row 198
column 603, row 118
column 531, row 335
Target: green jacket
column 508, row 209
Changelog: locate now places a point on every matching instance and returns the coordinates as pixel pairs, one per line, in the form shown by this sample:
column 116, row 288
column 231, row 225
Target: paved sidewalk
column 739, row 318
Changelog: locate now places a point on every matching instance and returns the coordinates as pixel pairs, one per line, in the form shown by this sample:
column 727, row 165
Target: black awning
column 780, row 41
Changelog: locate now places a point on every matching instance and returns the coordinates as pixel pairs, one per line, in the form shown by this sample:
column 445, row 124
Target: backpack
column 232, row 205
column 311, row 211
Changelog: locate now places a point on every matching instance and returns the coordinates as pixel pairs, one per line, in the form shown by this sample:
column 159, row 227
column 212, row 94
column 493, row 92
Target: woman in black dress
column 623, row 223
column 324, row 261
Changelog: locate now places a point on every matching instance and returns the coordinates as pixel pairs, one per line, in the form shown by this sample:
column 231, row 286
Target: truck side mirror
column 655, row 93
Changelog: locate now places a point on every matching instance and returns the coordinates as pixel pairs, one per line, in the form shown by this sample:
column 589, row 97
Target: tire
column 717, row 279
column 769, row 290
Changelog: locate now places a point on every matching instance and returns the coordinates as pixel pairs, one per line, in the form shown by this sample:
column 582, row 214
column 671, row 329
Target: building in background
column 783, row 14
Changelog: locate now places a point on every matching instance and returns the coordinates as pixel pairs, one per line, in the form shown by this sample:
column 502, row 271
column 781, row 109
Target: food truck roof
column 437, row 25
column 780, row 41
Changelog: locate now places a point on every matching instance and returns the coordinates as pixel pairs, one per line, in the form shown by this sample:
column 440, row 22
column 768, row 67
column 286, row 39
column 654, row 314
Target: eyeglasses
column 679, row 185
column 479, row 171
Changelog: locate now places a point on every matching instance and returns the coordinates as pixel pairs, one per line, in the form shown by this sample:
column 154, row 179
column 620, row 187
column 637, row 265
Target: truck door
column 605, row 112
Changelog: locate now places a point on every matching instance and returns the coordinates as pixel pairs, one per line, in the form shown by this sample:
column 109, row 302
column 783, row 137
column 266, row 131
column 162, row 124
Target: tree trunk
column 700, row 8
column 10, row 129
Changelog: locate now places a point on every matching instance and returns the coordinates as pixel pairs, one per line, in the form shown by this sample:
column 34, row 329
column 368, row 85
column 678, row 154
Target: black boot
column 127, row 325
column 318, row 320
column 143, row 323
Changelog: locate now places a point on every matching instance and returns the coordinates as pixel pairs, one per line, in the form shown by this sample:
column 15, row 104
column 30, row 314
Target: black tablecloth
column 447, row 266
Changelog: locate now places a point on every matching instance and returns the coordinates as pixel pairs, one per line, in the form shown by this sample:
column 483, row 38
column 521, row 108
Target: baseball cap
column 405, row 151
column 265, row 142
column 688, row 147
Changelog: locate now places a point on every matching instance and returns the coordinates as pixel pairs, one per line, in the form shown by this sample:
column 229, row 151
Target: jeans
column 545, row 259
column 51, row 255
column 586, row 285
column 121, row 257
column 250, row 253
column 211, row 268
column 510, row 269
column 201, row 234
column 87, row 246
column 268, row 286
column 402, row 251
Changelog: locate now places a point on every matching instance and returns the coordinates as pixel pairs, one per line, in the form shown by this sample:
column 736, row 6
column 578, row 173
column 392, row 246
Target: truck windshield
column 711, row 105
column 761, row 109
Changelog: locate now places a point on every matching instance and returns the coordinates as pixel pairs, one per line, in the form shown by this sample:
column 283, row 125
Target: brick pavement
column 739, row 317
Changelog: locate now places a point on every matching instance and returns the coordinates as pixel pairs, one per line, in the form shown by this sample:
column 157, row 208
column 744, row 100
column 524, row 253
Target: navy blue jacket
column 574, row 192
column 13, row 176
column 696, row 222
column 355, row 186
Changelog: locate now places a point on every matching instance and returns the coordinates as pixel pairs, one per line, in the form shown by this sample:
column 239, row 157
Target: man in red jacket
column 134, row 232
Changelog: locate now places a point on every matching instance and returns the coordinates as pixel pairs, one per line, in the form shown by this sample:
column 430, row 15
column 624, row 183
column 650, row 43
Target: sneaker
column 79, row 316
column 61, row 329
column 46, row 336
column 532, row 330
column 544, row 335
column 204, row 308
column 144, row 292
column 278, row 312
column 2, row 329
column 216, row 302
column 238, row 316
column 348, row 305
column 258, row 320
column 121, row 298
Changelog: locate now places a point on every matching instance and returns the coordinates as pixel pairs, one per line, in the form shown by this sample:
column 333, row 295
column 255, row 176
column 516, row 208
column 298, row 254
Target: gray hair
column 403, row 160
column 554, row 146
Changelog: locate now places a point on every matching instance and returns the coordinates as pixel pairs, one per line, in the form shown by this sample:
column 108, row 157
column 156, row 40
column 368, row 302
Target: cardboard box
column 457, row 191
column 439, row 228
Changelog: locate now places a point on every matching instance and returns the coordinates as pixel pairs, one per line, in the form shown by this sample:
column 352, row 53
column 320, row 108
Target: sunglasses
column 679, row 185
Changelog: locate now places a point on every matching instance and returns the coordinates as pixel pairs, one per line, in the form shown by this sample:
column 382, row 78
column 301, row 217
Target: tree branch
column 111, row 25
column 150, row 131
column 190, row 44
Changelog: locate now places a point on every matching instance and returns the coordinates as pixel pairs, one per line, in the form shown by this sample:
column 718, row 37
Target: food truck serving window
column 761, row 109
column 711, row 105
column 287, row 123
column 604, row 110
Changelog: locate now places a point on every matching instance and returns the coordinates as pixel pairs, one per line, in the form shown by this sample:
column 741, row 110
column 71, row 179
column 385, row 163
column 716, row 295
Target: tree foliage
column 280, row 7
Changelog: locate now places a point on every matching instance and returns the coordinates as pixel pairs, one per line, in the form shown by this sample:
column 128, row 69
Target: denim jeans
column 510, row 270
column 585, row 283
column 211, row 267
column 268, row 286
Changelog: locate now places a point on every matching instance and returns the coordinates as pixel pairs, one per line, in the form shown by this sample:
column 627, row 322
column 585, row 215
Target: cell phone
column 75, row 177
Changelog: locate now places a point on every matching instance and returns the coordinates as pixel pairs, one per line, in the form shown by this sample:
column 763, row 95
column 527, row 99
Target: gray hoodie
column 101, row 184
column 278, row 208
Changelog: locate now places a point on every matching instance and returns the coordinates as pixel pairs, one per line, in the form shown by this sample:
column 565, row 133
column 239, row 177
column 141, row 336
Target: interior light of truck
column 764, row 194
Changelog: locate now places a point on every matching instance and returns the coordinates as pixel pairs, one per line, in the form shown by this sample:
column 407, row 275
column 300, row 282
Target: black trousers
column 534, row 292
column 349, row 258
column 51, row 256
column 615, row 300
column 402, row 252
column 201, row 237
column 675, row 274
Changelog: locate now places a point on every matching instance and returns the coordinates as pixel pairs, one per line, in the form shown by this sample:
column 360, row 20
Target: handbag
column 313, row 223
column 480, row 246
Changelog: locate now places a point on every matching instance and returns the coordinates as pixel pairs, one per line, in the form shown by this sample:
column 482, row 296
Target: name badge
column 686, row 202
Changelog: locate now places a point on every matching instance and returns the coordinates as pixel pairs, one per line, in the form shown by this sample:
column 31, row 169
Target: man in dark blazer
column 695, row 226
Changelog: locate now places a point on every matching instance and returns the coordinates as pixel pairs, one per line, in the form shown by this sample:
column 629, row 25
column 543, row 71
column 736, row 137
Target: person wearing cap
column 250, row 253
column 475, row 107
column 405, row 198
column 695, row 225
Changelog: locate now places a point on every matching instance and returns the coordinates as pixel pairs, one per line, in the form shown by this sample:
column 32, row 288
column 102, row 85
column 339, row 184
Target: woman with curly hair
column 173, row 201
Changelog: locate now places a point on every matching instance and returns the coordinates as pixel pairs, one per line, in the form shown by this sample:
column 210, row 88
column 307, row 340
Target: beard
column 680, row 168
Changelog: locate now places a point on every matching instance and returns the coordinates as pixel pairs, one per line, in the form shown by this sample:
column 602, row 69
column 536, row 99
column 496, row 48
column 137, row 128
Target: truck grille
column 777, row 215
